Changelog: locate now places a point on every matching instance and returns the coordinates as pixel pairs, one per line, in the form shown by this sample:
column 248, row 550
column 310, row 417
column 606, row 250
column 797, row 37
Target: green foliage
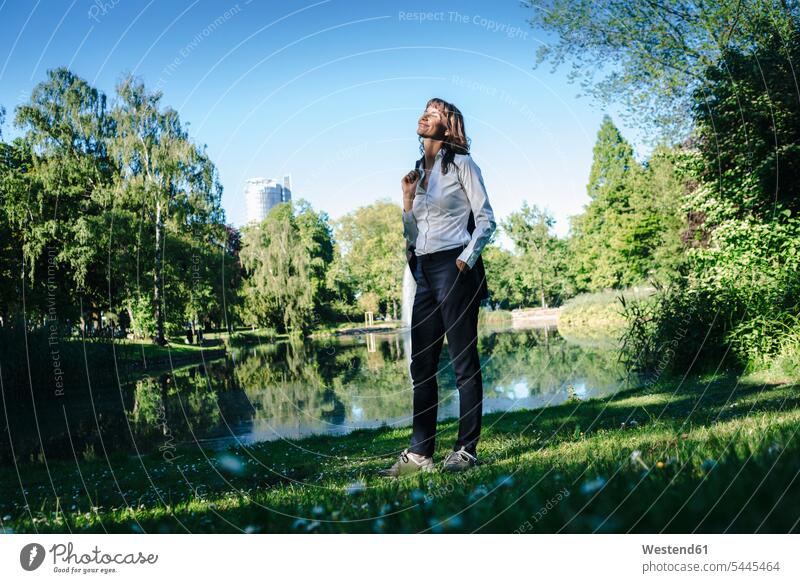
column 630, row 230
column 729, row 65
column 747, row 258
column 105, row 209
column 537, row 270
column 650, row 54
column 748, row 123
column 728, row 194
column 677, row 328
column 278, row 289
column 373, row 253
column 316, row 234
column 64, row 187
column 369, row 302
column 501, row 275
column 738, row 298
column 142, row 320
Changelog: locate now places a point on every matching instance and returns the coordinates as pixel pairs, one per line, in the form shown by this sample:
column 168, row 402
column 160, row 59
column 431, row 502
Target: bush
column 143, row 322
column 677, row 329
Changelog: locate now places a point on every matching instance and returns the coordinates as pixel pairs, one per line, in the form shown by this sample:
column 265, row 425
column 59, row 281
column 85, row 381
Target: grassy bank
column 494, row 317
column 596, row 315
column 711, row 455
column 145, row 354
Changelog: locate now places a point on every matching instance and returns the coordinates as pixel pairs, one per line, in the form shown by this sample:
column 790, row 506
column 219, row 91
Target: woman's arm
column 472, row 183
column 409, row 227
column 409, row 186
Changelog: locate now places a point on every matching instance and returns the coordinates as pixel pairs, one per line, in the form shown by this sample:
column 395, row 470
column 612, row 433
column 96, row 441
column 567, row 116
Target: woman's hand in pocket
column 463, row 267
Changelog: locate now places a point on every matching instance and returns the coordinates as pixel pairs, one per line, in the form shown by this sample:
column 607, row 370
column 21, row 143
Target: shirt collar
column 438, row 155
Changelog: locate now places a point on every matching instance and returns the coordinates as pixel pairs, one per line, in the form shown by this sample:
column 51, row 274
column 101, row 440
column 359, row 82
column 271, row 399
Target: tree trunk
column 541, row 287
column 131, row 320
column 159, row 339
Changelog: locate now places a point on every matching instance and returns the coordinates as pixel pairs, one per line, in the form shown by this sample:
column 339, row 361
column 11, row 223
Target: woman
column 441, row 197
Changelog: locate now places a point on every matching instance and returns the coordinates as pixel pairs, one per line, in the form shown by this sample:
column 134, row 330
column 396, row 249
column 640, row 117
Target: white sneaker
column 408, row 463
column 459, row 460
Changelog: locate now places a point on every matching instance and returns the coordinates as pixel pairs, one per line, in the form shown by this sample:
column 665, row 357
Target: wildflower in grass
column 417, row 495
column 231, row 464
column 435, row 525
column 318, row 510
column 660, row 465
column 299, row 523
column 592, row 486
column 379, row 526
column 709, row 465
column 480, row 492
column 636, row 458
column 355, row 488
column 504, row 482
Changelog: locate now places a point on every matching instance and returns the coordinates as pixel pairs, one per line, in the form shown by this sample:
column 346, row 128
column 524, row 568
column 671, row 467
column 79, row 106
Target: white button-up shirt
column 439, row 215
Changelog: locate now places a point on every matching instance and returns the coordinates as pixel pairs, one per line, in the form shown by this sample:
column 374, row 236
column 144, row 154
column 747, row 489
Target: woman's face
column 431, row 124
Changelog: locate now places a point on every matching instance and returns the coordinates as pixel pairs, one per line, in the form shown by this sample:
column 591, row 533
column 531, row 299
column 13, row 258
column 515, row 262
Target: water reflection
column 290, row 389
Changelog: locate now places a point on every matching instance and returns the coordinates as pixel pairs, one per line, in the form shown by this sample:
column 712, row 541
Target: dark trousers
column 446, row 304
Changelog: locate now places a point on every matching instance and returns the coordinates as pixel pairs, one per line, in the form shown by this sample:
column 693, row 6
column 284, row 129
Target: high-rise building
column 261, row 194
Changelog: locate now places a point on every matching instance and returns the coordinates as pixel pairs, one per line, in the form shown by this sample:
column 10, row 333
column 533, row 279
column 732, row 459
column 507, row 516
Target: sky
column 328, row 91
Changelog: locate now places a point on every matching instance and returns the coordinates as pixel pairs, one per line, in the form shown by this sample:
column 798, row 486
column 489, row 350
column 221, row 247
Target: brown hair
column 456, row 141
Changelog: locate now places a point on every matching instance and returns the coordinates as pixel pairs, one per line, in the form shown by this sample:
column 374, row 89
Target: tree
column 652, row 54
column 14, row 159
column 82, row 191
column 748, row 130
column 501, row 273
column 659, row 219
column 373, row 252
column 739, row 283
column 171, row 181
column 316, row 233
column 62, row 195
column 599, row 241
column 277, row 290
column 539, row 264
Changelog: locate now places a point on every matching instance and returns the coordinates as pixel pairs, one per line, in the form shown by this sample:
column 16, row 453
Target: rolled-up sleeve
column 485, row 225
column 410, row 227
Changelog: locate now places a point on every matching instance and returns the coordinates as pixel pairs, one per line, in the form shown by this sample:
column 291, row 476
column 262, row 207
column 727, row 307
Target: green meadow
column 708, row 454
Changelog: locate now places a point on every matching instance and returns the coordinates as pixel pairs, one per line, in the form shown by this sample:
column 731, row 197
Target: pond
column 289, row 389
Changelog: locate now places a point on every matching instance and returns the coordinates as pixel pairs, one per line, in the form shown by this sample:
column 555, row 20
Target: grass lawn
column 141, row 352
column 712, row 454
column 138, row 349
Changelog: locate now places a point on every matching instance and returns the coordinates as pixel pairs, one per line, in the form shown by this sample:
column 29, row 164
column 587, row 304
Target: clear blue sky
column 328, row 91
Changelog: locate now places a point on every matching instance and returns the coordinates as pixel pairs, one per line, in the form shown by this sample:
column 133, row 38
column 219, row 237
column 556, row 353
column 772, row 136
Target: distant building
column 261, row 194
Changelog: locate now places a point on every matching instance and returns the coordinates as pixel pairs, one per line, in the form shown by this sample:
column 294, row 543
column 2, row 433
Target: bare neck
column 430, row 148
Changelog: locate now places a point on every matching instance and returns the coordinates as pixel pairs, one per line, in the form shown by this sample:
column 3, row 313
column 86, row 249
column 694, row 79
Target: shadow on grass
column 716, row 456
